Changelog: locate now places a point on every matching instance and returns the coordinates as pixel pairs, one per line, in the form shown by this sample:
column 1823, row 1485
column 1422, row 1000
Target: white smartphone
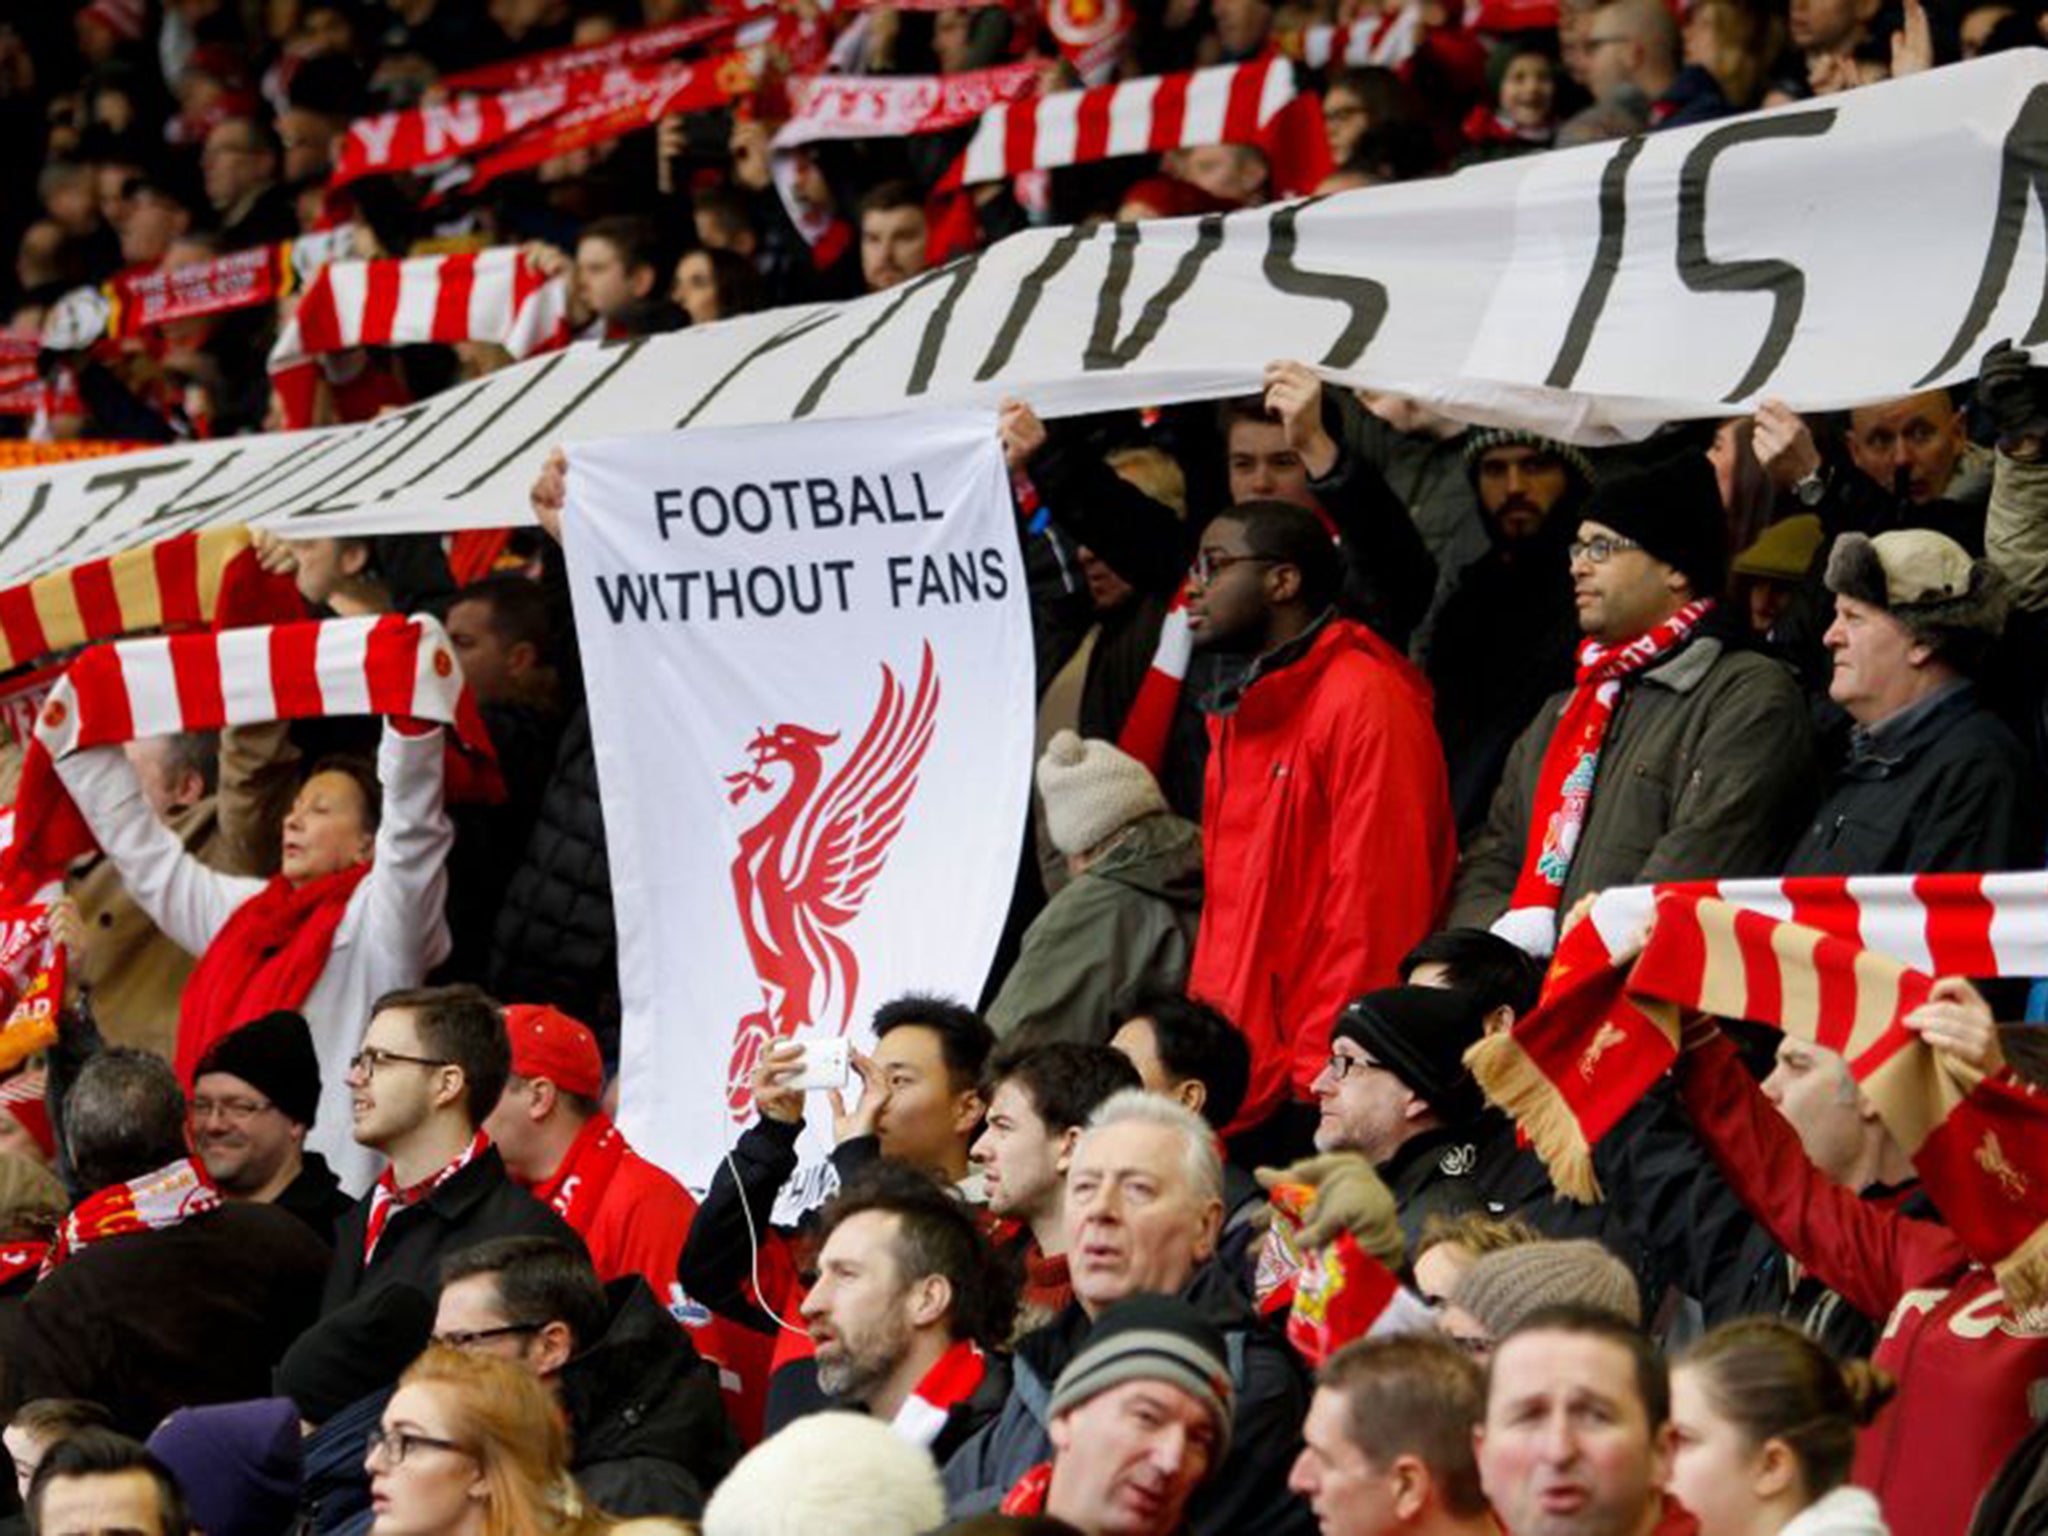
column 824, row 1065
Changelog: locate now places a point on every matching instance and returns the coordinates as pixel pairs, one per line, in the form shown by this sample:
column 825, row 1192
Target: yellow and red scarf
column 154, row 1202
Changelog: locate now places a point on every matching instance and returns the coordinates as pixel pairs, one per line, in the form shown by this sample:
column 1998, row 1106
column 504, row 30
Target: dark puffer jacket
column 555, row 940
column 650, row 1428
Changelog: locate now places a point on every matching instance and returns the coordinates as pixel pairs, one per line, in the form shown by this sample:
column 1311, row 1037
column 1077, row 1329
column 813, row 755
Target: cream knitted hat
column 1092, row 791
column 1505, row 1287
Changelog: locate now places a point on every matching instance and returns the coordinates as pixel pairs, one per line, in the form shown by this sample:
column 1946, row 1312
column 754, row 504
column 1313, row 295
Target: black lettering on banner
column 956, row 273
column 128, row 480
column 1025, row 305
column 1365, row 298
column 627, row 352
column 332, row 497
column 171, row 510
column 1104, row 350
column 217, row 508
column 1784, row 282
column 782, row 338
column 2022, row 173
column 933, row 341
column 483, row 428
column 38, row 499
column 1606, row 263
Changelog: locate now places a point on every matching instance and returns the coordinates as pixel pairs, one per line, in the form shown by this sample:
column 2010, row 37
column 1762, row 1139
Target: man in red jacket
column 1326, row 816
column 559, row 1144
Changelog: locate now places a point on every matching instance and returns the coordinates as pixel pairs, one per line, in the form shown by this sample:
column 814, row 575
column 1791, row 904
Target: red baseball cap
column 547, row 1043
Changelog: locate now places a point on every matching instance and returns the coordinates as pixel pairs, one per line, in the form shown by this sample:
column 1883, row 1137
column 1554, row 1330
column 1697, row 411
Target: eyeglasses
column 469, row 1338
column 234, row 1111
column 1341, row 1067
column 367, row 1061
column 1208, row 567
column 1597, row 550
column 1602, row 42
column 394, row 1445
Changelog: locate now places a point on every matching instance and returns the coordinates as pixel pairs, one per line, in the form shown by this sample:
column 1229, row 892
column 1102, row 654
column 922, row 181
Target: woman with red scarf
column 354, row 911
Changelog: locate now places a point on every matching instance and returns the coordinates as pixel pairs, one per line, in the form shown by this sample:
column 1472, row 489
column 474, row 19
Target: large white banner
column 808, row 653
column 1836, row 252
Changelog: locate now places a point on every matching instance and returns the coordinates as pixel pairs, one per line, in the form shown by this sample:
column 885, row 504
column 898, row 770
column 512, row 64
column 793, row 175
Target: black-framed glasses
column 234, row 1111
column 469, row 1338
column 1341, row 1067
column 1208, row 567
column 394, row 1445
column 367, row 1061
column 1599, row 549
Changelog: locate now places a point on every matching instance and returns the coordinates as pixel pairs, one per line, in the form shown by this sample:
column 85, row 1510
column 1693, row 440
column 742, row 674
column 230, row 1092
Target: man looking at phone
column 919, row 1104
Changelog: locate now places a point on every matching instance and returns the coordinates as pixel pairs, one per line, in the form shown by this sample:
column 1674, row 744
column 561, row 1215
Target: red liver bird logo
column 806, row 864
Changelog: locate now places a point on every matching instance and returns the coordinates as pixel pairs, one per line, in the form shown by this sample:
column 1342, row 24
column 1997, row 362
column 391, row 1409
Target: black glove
column 2013, row 394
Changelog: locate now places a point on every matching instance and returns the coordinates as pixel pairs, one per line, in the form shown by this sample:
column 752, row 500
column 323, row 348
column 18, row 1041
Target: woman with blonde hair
column 1766, row 1423
column 471, row 1445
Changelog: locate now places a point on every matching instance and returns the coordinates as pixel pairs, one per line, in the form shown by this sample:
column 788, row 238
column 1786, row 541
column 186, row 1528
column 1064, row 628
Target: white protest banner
column 808, row 653
column 1847, row 250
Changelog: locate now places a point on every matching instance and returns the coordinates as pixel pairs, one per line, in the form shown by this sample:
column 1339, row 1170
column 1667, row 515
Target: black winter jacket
column 649, row 1426
column 150, row 1321
column 555, row 940
column 479, row 1203
column 316, row 1198
column 1949, row 790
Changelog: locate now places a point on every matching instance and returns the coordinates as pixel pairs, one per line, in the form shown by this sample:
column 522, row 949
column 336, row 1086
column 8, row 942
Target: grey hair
column 124, row 1117
column 1199, row 1157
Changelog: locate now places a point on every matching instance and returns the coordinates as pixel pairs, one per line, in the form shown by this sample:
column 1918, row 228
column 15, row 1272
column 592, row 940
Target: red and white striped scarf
column 1091, row 35
column 1387, row 39
column 644, row 45
column 1836, row 960
column 387, row 1199
column 1569, row 774
column 496, row 295
column 954, row 1377
column 154, row 1202
column 111, row 694
column 1230, row 104
column 897, row 106
column 189, row 581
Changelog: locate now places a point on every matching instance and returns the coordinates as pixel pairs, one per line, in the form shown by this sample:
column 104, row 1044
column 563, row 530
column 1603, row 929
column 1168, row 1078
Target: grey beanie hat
column 1503, row 1288
column 1480, row 439
column 1153, row 1338
column 1092, row 791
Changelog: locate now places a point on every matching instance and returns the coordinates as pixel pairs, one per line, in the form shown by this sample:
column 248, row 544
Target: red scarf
column 386, row 1198
column 1028, row 1495
column 1571, row 764
column 954, row 1377
column 155, row 1202
column 268, row 956
column 20, row 1259
column 578, row 1187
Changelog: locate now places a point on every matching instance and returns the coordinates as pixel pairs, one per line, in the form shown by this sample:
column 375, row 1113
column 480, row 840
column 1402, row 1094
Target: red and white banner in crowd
column 1091, row 35
column 645, row 45
column 1503, row 295
column 897, row 106
column 511, row 129
column 1231, row 104
column 32, row 965
column 138, row 301
column 17, row 361
column 1387, row 39
column 497, row 295
column 810, row 690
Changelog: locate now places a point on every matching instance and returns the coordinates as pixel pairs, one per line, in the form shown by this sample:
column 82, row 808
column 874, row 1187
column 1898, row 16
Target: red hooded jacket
column 1328, row 847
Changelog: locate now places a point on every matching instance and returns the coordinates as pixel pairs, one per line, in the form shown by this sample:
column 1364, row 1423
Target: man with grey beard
column 908, row 1309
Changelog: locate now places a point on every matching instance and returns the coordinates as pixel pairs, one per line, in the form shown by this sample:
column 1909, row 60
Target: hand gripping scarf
column 1815, row 957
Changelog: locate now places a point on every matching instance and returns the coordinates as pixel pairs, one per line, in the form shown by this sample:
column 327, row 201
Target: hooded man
column 1934, row 780
column 1530, row 490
